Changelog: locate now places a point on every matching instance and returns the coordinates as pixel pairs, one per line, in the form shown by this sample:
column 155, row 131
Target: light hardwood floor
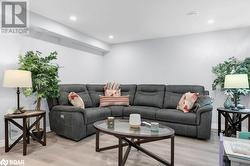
column 60, row 151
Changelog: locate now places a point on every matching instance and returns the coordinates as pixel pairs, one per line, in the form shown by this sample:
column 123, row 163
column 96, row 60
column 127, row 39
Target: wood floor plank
column 60, row 151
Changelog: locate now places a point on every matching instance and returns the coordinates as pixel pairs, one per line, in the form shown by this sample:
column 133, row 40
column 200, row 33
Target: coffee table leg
column 172, row 151
column 120, row 152
column 24, row 136
column 97, row 149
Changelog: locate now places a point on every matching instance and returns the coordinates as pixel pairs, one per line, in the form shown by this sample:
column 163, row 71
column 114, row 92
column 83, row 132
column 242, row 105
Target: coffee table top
column 122, row 129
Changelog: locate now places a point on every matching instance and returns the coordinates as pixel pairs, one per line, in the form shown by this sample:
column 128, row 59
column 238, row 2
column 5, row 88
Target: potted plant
column 230, row 66
column 44, row 78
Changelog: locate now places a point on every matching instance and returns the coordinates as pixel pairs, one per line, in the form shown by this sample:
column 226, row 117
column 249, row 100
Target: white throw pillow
column 76, row 100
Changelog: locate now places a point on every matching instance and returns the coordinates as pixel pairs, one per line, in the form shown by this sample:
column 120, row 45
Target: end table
column 25, row 128
column 233, row 120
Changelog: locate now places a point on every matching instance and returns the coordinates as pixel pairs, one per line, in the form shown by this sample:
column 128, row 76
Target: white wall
column 178, row 60
column 175, row 60
column 77, row 67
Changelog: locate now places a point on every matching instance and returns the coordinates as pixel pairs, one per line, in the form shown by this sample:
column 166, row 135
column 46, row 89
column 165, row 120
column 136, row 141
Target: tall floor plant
column 44, row 76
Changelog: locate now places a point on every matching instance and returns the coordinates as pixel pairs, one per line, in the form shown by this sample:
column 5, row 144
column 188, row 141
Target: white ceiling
column 131, row 20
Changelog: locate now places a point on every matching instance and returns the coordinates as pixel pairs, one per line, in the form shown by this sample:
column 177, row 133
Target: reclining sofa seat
column 153, row 102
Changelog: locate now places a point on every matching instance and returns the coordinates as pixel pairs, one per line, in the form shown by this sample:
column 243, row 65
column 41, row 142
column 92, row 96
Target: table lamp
column 17, row 79
column 234, row 82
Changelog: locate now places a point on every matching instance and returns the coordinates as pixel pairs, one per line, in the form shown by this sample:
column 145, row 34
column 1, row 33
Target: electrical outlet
column 62, row 116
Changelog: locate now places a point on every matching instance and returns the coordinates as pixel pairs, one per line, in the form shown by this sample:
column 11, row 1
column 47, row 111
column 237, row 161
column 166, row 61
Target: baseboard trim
column 2, row 141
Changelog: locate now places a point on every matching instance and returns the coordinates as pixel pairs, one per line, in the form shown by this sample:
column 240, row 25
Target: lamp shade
column 236, row 81
column 17, row 78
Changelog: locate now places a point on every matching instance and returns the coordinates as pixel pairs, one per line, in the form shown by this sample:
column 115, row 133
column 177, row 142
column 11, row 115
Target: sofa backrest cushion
column 174, row 93
column 80, row 89
column 149, row 95
column 95, row 91
column 128, row 89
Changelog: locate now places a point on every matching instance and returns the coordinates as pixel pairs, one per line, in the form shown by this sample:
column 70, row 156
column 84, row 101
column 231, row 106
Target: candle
column 111, row 122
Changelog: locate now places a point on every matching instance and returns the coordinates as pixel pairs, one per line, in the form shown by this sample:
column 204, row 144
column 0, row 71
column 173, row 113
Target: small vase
column 228, row 103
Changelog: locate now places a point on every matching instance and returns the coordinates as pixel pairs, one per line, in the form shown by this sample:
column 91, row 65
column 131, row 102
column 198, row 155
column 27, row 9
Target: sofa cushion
column 94, row 114
column 80, row 89
column 95, row 91
column 63, row 98
column 176, row 116
column 181, row 89
column 171, row 99
column 128, row 89
column 149, row 95
column 174, row 93
column 146, row 112
column 86, row 99
column 116, row 111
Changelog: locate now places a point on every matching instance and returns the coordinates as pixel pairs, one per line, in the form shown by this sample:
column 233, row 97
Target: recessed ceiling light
column 193, row 13
column 73, row 18
column 211, row 21
column 111, row 37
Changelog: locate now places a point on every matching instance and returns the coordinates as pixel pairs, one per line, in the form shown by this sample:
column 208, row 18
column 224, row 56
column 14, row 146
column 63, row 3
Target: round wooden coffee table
column 134, row 138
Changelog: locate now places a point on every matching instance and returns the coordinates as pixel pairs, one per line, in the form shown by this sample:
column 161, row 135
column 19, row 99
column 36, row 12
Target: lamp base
column 235, row 108
column 19, row 111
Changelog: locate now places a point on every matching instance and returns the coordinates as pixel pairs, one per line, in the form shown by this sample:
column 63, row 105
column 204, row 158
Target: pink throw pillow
column 76, row 100
column 187, row 101
column 114, row 100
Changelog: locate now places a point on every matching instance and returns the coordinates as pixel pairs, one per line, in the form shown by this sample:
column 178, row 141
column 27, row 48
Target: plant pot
column 38, row 133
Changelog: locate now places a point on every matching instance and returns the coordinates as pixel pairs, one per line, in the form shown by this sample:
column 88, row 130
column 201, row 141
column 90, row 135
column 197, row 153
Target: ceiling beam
column 46, row 29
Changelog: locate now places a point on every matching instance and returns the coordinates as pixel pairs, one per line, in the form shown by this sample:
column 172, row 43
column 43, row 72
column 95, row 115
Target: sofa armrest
column 67, row 108
column 204, row 120
column 203, row 104
column 68, row 121
column 203, row 109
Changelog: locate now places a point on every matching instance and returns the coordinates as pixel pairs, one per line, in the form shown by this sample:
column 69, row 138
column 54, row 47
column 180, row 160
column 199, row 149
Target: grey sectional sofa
column 153, row 102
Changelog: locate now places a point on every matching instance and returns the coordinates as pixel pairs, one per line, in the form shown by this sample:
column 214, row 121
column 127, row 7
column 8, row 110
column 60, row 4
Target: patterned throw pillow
column 112, row 100
column 76, row 100
column 187, row 101
column 111, row 92
column 112, row 89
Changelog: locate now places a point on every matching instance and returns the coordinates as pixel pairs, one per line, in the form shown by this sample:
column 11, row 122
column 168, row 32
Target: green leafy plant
column 231, row 66
column 44, row 75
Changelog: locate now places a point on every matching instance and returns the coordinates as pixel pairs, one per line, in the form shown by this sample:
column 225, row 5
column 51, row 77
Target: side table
column 26, row 133
column 233, row 120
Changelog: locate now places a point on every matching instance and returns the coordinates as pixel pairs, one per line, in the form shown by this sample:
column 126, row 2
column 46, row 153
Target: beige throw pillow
column 76, row 100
